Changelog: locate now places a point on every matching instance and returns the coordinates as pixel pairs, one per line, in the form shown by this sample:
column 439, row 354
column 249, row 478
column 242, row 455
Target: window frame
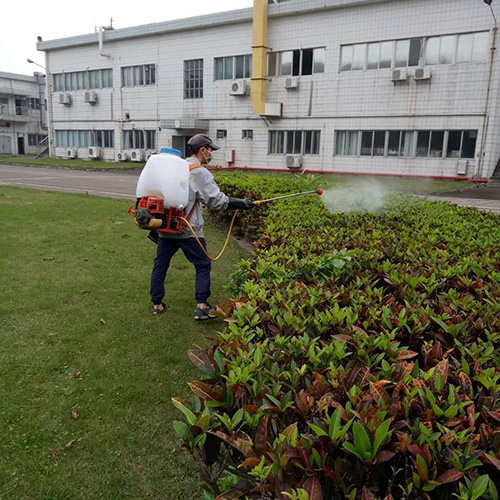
column 291, row 136
column 193, row 74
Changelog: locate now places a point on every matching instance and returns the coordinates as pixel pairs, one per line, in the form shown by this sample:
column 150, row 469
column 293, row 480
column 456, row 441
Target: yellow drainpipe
column 259, row 59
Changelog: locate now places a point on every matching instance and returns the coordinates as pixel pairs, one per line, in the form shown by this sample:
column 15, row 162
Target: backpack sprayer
column 163, row 194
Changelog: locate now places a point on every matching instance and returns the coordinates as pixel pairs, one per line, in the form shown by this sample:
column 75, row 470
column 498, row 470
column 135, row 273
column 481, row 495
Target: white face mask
column 208, row 159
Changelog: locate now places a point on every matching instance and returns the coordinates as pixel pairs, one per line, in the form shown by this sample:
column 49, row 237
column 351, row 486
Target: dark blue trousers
column 167, row 248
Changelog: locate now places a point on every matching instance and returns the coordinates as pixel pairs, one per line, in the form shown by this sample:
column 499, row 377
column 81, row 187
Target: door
column 20, row 145
column 5, row 145
column 180, row 142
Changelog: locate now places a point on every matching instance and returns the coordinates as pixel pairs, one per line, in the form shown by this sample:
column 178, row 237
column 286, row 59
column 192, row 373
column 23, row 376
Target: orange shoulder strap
column 192, row 166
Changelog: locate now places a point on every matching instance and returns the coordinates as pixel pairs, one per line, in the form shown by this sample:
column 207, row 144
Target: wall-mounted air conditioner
column 293, row 161
column 238, row 87
column 65, row 99
column 462, row 167
column 399, row 75
column 71, row 153
column 90, row 97
column 137, row 155
column 291, row 83
column 423, row 74
column 94, row 153
column 122, row 156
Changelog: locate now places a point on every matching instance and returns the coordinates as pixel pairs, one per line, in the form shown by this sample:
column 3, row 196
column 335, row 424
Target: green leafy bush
column 360, row 358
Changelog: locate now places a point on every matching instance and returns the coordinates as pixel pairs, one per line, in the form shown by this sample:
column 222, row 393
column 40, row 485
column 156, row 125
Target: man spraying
column 202, row 188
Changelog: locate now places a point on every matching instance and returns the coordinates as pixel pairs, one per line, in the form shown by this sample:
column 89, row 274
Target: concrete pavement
column 122, row 185
column 105, row 184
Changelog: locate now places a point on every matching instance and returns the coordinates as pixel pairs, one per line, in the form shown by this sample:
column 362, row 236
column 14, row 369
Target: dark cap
column 199, row 141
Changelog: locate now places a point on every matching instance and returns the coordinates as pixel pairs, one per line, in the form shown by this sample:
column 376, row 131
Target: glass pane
column 248, row 66
column 366, row 143
column 152, row 74
column 316, row 141
column 296, row 63
column 393, row 146
column 469, row 144
column 373, row 55
column 92, row 79
column 340, row 141
column 80, row 80
column 464, row 50
column 437, row 140
column 286, row 63
column 307, row 62
column 379, row 144
column 423, row 144
column 280, row 142
column 358, row 60
column 98, row 138
column 346, row 58
column 386, row 53
column 86, row 80
column 111, row 138
column 126, row 139
column 402, row 51
column 272, row 143
column 272, row 59
column 74, row 81
column 432, row 51
column 352, row 143
column 67, row 81
column 407, row 144
column 415, row 51
column 97, row 79
column 480, row 47
column 219, row 69
column 289, row 142
column 228, row 68
column 139, row 75
column 319, row 60
column 297, row 146
column 454, row 140
column 307, row 142
column 447, row 49
column 239, row 66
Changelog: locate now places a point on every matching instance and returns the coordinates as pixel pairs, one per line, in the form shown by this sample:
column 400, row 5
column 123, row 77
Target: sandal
column 159, row 311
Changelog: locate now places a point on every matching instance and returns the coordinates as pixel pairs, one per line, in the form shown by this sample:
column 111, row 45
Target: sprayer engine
column 150, row 213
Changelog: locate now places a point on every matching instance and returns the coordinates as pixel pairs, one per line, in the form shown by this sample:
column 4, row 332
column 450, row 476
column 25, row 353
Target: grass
column 73, row 164
column 403, row 184
column 66, row 262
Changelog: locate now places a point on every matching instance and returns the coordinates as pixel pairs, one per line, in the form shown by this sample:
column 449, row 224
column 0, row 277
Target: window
column 32, row 139
column 193, row 79
column 437, row 142
column 139, row 139
column 136, row 76
column 394, row 143
column 347, row 143
column 305, row 142
column 366, row 143
column 83, row 80
column 221, row 134
column 85, row 138
column 378, row 143
column 423, row 144
column 462, row 144
column 247, row 134
column 231, row 68
column 150, row 139
column 296, row 62
column 448, row 49
column 34, row 103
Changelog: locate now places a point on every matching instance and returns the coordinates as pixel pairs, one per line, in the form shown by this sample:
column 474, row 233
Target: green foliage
column 361, row 354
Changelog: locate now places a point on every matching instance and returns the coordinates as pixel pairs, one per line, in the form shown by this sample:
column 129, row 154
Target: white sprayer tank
column 166, row 176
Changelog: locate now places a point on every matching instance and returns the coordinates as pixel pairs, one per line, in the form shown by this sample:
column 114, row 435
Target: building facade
column 406, row 87
column 23, row 115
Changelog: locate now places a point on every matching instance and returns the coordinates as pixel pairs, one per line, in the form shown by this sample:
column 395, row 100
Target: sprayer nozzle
column 320, row 191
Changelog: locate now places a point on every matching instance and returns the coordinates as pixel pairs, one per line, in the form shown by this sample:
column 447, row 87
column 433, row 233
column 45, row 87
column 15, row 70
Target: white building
column 23, row 128
column 402, row 87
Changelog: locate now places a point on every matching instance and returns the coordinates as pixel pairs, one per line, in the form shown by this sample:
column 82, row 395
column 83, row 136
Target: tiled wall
column 453, row 99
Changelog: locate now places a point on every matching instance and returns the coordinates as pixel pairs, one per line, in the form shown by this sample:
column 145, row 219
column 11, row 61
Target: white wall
column 453, row 99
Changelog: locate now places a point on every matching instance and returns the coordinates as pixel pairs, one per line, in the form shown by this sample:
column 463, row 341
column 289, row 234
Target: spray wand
column 316, row 191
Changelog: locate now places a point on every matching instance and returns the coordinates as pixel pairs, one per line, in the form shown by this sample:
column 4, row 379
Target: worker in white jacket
column 202, row 188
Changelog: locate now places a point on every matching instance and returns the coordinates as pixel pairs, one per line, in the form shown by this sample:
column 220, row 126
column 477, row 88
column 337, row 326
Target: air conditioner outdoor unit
column 293, row 161
column 94, row 153
column 122, row 156
column 71, row 153
column 90, row 97
column 462, row 167
column 423, row 74
column 239, row 87
column 399, row 75
column 137, row 155
column 65, row 99
column 291, row 83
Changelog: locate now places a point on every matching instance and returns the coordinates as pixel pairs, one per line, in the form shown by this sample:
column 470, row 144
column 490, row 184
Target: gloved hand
column 154, row 236
column 239, row 204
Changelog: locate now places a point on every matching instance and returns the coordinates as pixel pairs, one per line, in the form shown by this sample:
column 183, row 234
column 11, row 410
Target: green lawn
column 64, row 162
column 67, row 261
